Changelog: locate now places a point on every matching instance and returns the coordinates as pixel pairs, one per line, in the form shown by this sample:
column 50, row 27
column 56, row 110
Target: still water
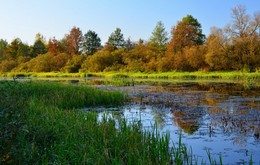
column 223, row 118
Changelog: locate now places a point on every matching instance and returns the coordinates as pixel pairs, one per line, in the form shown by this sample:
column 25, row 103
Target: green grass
column 234, row 75
column 119, row 80
column 44, row 74
column 226, row 75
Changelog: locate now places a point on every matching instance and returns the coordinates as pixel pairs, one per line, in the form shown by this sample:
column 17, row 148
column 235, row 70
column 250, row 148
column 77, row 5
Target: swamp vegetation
column 44, row 122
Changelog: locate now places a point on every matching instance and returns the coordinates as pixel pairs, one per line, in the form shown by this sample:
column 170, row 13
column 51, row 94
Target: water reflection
column 188, row 126
column 222, row 116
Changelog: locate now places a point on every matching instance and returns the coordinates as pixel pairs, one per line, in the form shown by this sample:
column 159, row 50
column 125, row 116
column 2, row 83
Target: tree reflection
column 188, row 127
column 189, row 120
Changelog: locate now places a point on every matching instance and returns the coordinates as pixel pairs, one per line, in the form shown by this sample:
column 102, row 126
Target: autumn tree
column 98, row 62
column 159, row 36
column 41, row 63
column 187, row 32
column 116, row 39
column 195, row 57
column 91, row 43
column 236, row 46
column 142, row 58
column 243, row 25
column 104, row 60
column 134, row 59
column 244, row 34
column 74, row 41
column 117, row 57
column 55, row 47
column 218, row 50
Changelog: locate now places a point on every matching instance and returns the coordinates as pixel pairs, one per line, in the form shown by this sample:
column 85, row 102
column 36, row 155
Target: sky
column 136, row 18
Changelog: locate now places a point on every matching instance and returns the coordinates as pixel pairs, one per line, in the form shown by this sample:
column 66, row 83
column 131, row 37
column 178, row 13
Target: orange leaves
column 74, row 41
column 187, row 33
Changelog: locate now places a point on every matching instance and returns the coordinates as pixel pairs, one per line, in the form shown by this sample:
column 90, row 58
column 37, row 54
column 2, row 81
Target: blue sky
column 136, row 18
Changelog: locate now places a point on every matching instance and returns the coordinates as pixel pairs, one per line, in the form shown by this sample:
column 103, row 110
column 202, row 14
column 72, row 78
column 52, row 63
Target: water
column 223, row 118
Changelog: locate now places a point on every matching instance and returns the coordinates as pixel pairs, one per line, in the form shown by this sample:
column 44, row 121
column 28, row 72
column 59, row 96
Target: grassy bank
column 40, row 124
column 221, row 75
column 227, row 75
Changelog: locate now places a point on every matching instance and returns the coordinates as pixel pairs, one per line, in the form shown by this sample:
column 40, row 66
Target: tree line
column 234, row 47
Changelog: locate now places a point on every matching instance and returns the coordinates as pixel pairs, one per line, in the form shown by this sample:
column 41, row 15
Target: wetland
column 217, row 118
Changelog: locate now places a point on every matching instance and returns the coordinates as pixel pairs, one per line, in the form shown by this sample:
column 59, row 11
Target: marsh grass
column 74, row 137
column 44, row 74
column 120, row 81
column 234, row 75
